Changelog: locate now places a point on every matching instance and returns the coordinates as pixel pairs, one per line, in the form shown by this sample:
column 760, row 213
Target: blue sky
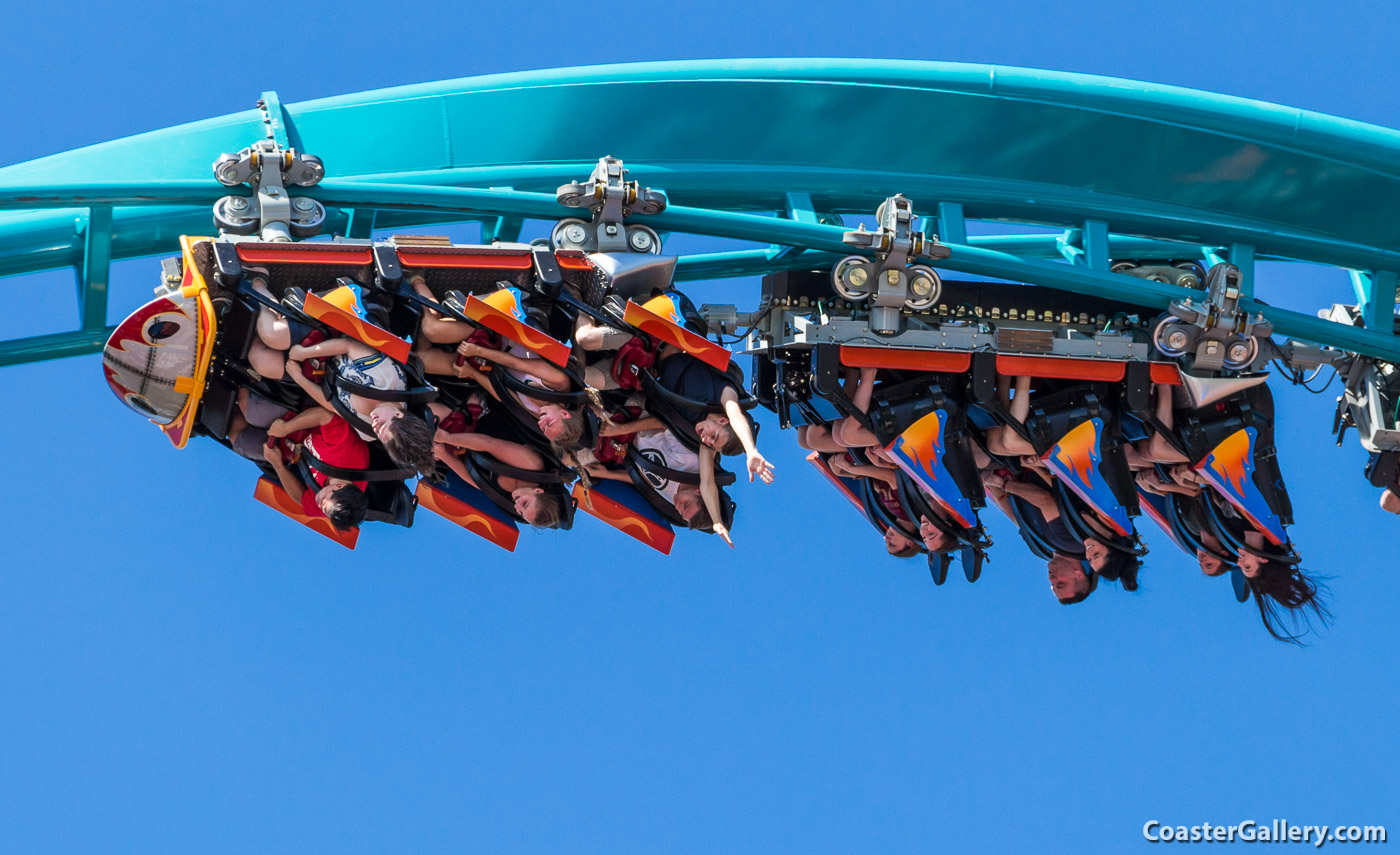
column 180, row 670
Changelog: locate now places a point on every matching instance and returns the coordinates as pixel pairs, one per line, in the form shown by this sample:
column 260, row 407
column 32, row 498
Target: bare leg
column 435, row 361
column 440, row 330
column 591, row 335
column 1157, row 449
column 851, row 434
column 818, row 438
column 1021, row 404
column 1135, row 460
column 436, row 328
column 1005, row 442
column 865, row 390
column 272, row 326
column 236, row 426
column 848, row 381
column 1164, row 404
column 268, row 362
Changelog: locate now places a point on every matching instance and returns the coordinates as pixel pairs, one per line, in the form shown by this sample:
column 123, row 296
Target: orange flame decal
column 1075, row 459
column 498, row 321
column 504, row 535
column 624, row 519
column 1077, row 450
column 348, row 323
column 658, row 326
column 1228, row 468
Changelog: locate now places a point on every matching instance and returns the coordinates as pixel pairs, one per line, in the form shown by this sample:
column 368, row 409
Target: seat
column 390, row 500
column 666, row 405
column 638, row 467
column 485, row 469
column 1091, row 463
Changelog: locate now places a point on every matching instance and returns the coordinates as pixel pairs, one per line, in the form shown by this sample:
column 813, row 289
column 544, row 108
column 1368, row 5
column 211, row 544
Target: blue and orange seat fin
column 457, row 501
column 622, row 507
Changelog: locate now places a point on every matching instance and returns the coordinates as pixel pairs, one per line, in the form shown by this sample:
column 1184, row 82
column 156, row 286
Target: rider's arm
column 305, row 420
column 294, row 371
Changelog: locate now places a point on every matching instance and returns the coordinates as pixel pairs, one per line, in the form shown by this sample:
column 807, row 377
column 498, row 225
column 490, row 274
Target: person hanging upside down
column 406, row 437
column 729, row 433
column 563, row 426
column 330, row 439
column 532, row 502
column 698, row 506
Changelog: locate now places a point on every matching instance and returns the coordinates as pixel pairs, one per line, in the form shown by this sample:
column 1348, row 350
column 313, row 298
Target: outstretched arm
column 620, row 428
column 453, row 462
column 1038, row 496
column 739, row 423
column 598, row 470
column 710, row 492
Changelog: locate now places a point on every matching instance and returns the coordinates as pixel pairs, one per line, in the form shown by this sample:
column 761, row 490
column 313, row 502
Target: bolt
column 1212, row 348
column 1176, row 340
column 611, row 229
column 892, row 277
column 303, row 204
column 575, row 234
column 1238, row 352
column 238, row 203
column 641, row 241
column 272, row 191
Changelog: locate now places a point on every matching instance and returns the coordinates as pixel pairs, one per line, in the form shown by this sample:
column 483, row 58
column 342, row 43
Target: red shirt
column 336, row 444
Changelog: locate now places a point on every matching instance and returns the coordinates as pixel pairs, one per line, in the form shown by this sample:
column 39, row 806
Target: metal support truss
column 786, row 192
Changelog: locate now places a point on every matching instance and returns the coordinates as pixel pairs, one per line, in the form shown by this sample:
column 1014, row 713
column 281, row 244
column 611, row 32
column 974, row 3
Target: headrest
column 633, row 274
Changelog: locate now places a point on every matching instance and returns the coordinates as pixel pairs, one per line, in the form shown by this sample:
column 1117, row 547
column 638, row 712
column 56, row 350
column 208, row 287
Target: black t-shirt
column 1058, row 534
column 690, row 378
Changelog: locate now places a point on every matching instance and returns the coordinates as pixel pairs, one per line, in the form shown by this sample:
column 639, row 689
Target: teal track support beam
column 503, row 229
column 361, row 223
column 276, row 122
column 1242, row 256
column 800, row 207
column 1375, row 292
column 1150, row 145
column 57, row 346
column 96, row 268
column 1095, row 244
column 952, row 224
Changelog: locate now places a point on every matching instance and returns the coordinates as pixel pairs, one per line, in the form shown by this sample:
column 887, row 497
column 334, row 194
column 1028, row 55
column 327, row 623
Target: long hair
column 571, row 435
column 1121, row 567
column 1285, row 590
